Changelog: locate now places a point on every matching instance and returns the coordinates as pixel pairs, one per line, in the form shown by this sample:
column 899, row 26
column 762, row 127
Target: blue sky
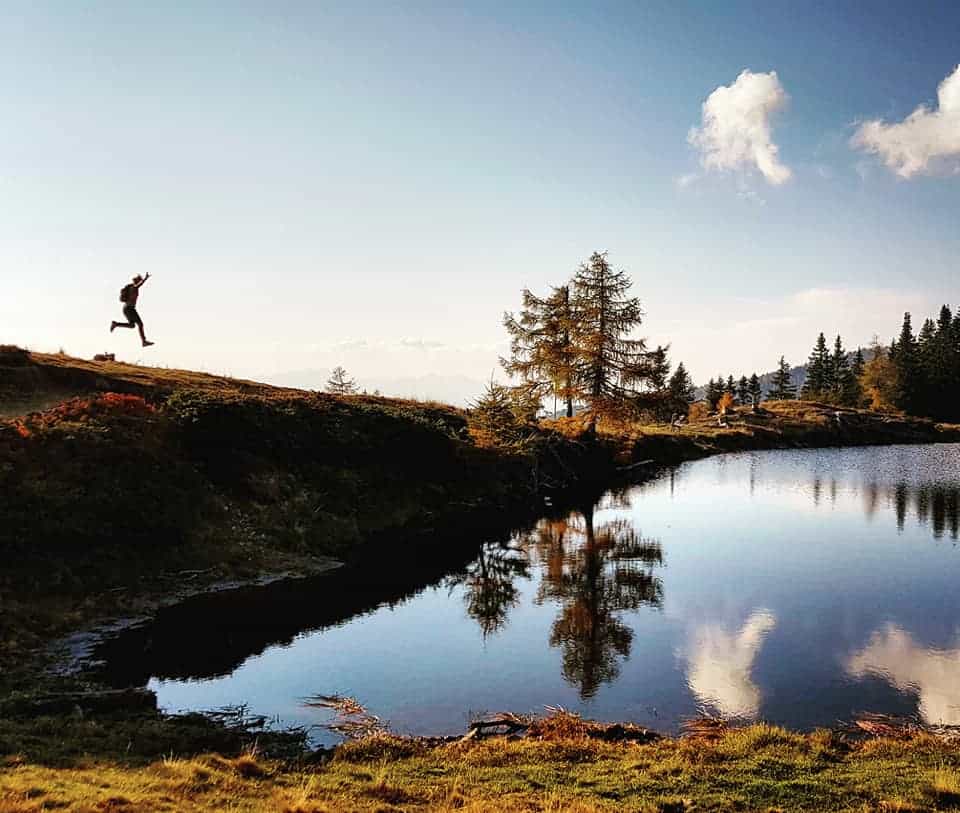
column 372, row 184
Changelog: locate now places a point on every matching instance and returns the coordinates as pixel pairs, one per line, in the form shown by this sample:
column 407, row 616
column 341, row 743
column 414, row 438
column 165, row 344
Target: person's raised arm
column 144, row 279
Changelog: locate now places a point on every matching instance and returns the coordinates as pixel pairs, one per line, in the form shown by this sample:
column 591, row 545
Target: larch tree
column 610, row 362
column 542, row 353
column 340, row 383
column 878, row 381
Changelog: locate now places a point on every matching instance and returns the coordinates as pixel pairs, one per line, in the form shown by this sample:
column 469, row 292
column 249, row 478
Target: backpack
column 125, row 293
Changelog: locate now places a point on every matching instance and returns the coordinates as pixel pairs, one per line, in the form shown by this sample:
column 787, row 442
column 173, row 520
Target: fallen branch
column 499, row 726
column 353, row 721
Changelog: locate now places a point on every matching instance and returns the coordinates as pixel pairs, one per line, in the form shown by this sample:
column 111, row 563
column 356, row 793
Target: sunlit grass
column 756, row 768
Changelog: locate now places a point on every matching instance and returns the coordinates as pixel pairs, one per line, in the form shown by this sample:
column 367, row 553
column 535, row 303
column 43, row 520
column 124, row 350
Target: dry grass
column 755, row 768
column 120, row 376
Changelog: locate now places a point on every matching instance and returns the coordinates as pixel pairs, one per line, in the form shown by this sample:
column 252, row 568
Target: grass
column 757, row 768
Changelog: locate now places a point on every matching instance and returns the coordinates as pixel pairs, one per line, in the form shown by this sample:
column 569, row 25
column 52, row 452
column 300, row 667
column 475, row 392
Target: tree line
column 733, row 392
column 918, row 374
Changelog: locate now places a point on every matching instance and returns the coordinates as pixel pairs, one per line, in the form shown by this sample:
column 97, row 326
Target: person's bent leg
column 143, row 335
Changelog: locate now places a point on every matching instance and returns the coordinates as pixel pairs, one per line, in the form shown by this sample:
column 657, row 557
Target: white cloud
column 687, row 179
column 420, row 344
column 927, row 142
column 736, row 128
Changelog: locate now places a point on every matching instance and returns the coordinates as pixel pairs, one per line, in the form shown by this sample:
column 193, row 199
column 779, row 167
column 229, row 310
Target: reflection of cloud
column 720, row 664
column 934, row 674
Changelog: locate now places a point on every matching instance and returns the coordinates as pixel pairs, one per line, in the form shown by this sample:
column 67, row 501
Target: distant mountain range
column 458, row 390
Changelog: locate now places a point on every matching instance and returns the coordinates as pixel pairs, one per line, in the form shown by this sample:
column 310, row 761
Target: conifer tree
column 503, row 416
column 945, row 369
column 853, row 392
column 681, row 389
column 713, row 393
column 928, row 363
column 755, row 391
column 840, row 380
column 731, row 387
column 719, row 388
column 906, row 360
column 542, row 353
column 857, row 367
column 783, row 388
column 610, row 364
column 657, row 369
column 743, row 390
column 340, row 383
column 818, row 378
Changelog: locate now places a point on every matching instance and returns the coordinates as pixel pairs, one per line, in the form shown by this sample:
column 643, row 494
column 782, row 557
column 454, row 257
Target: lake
column 798, row 587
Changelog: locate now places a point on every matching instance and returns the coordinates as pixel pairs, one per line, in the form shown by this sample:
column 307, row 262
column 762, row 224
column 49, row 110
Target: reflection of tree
column 933, row 504
column 594, row 574
column 488, row 582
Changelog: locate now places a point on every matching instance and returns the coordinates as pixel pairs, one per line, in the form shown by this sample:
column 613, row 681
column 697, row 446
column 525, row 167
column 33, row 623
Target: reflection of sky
column 738, row 533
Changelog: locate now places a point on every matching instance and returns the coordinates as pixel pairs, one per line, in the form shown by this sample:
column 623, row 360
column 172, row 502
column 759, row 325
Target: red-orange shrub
column 80, row 410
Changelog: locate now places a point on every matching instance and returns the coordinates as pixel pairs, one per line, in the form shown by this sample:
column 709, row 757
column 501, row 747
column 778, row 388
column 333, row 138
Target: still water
column 799, row 587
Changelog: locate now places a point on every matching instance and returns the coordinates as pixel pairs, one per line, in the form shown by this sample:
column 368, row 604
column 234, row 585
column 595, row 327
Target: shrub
column 698, row 411
column 503, row 417
column 81, row 410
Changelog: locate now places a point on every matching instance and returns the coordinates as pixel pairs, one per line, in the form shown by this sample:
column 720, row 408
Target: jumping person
column 128, row 296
